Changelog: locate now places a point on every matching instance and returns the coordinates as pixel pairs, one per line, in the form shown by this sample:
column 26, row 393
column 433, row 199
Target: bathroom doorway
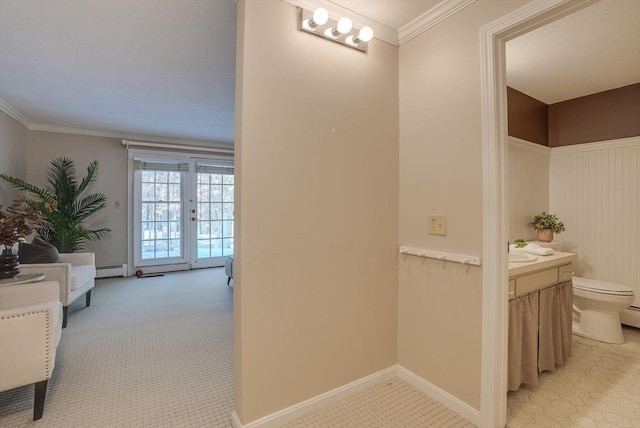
column 493, row 38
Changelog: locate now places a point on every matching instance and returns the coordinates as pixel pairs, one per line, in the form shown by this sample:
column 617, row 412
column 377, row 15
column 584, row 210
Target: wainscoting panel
column 595, row 189
column 527, row 186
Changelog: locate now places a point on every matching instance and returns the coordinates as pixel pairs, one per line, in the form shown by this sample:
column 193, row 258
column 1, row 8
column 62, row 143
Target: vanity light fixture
column 341, row 31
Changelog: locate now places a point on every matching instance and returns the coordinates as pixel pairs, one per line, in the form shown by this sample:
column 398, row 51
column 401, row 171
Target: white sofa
column 76, row 274
column 30, row 330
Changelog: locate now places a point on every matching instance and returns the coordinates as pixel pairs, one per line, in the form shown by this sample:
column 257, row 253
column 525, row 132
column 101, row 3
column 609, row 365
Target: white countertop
column 542, row 262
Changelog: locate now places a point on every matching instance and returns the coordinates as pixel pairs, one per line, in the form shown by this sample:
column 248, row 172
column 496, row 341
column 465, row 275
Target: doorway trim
column 493, row 36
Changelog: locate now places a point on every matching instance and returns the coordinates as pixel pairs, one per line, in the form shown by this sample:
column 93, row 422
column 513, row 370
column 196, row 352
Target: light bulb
column 366, row 34
column 344, row 25
column 320, row 16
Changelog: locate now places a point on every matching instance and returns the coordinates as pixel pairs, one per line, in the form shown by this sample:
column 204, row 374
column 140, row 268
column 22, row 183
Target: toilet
column 596, row 309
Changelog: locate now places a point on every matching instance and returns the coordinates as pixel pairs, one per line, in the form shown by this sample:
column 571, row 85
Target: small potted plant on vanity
column 546, row 224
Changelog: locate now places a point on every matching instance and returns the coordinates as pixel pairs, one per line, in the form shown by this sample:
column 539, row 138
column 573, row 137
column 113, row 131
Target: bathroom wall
column 593, row 186
column 595, row 190
column 527, row 187
column 603, row 116
column 528, row 118
column 609, row 115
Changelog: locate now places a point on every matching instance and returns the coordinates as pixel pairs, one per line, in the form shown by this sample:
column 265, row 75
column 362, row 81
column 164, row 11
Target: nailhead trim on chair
column 47, row 313
column 66, row 279
column 48, row 368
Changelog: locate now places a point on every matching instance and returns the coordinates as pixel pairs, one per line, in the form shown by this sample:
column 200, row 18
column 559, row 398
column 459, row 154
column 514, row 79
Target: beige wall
column 440, row 305
column 13, row 160
column 317, row 154
column 112, row 181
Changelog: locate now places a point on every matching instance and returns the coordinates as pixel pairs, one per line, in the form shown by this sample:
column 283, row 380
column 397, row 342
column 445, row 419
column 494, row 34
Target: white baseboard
column 630, row 316
column 318, row 402
column 449, row 401
column 306, row 407
column 111, row 271
column 235, row 421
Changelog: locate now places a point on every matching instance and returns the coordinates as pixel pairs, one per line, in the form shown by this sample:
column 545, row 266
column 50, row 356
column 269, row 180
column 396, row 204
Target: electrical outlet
column 437, row 224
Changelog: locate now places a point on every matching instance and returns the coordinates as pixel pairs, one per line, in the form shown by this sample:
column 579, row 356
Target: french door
column 182, row 211
column 212, row 217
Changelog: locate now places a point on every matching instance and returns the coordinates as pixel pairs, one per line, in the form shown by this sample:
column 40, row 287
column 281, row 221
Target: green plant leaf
column 63, row 226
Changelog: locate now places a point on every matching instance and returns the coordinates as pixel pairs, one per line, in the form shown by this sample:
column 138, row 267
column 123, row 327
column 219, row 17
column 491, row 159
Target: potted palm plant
column 546, row 225
column 64, row 227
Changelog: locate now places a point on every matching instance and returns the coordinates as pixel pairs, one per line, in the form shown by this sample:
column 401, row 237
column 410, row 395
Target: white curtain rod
column 128, row 143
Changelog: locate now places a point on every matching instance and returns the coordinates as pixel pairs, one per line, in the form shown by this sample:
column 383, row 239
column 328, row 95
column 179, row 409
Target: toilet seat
column 597, row 286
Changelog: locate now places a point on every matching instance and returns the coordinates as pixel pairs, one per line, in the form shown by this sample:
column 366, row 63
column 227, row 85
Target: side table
column 22, row 278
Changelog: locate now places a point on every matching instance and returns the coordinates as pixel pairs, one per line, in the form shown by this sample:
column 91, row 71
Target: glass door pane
column 214, row 213
column 159, row 216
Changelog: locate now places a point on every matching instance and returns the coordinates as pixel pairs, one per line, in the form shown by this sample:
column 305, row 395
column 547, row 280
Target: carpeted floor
column 394, row 404
column 141, row 356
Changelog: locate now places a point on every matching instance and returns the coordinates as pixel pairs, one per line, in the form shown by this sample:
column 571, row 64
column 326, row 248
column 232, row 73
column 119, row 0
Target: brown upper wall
column 603, row 116
column 528, row 117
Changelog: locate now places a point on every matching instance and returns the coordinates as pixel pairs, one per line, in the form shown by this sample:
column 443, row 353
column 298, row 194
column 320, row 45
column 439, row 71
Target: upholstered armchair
column 30, row 329
column 76, row 274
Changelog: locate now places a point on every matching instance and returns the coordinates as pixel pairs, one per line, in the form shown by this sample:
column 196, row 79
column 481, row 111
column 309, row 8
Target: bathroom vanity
column 543, row 272
column 540, row 316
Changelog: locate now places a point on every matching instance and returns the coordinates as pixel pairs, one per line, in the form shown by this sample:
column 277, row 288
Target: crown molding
column 380, row 31
column 439, row 13
column 15, row 114
column 78, row 131
column 127, row 135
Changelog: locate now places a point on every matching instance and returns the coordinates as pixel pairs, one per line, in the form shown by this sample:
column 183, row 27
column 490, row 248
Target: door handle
column 193, row 219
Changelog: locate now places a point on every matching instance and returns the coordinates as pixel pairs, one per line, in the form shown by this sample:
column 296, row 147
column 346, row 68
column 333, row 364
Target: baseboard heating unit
column 111, row 271
column 631, row 316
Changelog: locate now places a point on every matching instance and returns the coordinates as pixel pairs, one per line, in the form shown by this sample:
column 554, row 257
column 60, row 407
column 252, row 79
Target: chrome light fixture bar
column 341, row 31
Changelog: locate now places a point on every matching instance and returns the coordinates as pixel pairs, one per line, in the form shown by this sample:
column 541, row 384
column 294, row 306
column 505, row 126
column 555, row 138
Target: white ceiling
column 152, row 67
column 589, row 51
column 395, row 14
column 167, row 68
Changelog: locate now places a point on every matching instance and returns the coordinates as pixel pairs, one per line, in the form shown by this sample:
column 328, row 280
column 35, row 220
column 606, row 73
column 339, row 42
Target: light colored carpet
column 394, row 404
column 149, row 352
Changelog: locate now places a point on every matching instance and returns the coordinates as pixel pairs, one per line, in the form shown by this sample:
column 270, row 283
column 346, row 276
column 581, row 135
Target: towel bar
column 442, row 255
